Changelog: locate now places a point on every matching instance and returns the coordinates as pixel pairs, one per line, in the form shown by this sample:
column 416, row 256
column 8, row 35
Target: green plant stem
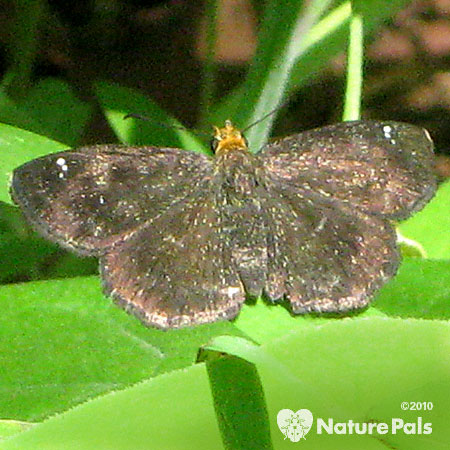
column 208, row 83
column 352, row 107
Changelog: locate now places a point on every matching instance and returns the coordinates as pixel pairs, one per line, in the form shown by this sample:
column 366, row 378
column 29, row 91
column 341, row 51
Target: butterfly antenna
column 264, row 117
column 164, row 125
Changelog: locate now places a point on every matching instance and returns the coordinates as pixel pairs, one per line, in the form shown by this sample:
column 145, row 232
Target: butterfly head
column 228, row 139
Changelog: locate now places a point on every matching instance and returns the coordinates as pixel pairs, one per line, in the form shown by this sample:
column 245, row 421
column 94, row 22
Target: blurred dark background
column 159, row 47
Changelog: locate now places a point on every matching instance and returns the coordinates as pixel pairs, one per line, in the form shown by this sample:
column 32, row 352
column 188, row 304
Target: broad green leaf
column 22, row 248
column 17, row 147
column 362, row 369
column 41, row 320
column 420, row 290
column 431, row 226
column 9, row 428
column 63, row 342
column 30, row 256
column 348, row 369
column 173, row 411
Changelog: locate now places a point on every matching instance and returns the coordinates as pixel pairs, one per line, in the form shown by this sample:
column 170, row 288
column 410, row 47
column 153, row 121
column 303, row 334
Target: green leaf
column 348, row 369
column 22, row 248
column 9, row 428
column 421, row 290
column 64, row 342
column 249, row 428
column 17, row 147
column 362, row 369
column 50, row 108
column 430, row 227
column 30, row 256
column 159, row 130
column 173, row 411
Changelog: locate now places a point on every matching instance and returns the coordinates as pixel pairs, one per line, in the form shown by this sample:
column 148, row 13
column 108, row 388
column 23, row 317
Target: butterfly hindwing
column 178, row 270
column 325, row 258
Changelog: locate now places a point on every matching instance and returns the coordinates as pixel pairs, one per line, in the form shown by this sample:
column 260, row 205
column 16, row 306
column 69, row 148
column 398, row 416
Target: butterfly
column 183, row 237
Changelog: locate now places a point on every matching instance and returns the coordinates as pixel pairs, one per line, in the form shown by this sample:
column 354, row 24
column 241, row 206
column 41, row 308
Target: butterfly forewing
column 382, row 168
column 88, row 199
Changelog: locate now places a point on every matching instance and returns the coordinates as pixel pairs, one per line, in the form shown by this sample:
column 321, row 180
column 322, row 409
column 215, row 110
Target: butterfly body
column 183, row 237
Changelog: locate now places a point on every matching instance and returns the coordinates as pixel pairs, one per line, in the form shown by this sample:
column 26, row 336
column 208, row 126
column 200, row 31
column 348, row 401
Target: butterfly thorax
column 239, row 199
column 235, row 165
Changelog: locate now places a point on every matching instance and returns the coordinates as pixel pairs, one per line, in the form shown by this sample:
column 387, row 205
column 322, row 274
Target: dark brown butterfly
column 183, row 237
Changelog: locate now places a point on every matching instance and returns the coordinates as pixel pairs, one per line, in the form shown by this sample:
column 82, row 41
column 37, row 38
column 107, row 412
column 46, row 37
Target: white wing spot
column 387, row 130
column 231, row 291
column 61, row 162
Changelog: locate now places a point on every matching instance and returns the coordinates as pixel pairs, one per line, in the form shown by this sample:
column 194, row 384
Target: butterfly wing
column 330, row 195
column 178, row 270
column 323, row 256
column 383, row 168
column 77, row 198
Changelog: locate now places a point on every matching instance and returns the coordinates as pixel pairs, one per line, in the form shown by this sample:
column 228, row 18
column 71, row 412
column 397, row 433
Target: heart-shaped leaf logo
column 294, row 425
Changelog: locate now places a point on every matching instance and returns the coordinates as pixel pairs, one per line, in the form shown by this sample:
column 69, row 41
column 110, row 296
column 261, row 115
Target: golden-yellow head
column 227, row 138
